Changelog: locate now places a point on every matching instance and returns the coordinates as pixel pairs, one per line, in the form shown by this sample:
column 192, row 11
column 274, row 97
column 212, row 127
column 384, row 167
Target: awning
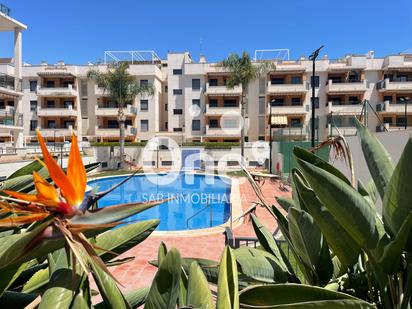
column 279, row 120
column 55, row 74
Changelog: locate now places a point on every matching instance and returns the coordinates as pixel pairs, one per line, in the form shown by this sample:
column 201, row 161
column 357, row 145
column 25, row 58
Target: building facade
column 191, row 102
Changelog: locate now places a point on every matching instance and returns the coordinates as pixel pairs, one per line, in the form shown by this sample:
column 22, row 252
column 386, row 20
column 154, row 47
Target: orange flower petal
column 45, row 191
column 57, row 174
column 22, row 196
column 20, row 220
column 76, row 171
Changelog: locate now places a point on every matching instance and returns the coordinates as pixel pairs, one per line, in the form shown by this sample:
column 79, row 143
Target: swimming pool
column 201, row 201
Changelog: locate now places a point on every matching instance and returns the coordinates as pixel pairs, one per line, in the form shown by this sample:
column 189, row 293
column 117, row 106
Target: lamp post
column 313, row 57
column 405, row 100
column 270, row 137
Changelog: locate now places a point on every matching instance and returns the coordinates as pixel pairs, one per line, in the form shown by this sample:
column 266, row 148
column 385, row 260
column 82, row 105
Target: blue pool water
column 192, row 194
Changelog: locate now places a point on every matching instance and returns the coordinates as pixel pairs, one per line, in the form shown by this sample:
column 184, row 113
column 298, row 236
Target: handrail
column 199, row 211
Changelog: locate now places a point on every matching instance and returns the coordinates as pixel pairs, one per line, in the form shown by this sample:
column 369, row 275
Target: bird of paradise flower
column 65, row 203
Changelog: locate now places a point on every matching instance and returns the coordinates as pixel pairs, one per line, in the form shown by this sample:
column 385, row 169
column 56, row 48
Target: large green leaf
column 61, row 289
column 39, row 279
column 377, row 158
column 340, row 242
column 348, row 207
column 397, row 201
column 136, row 298
column 165, row 286
column 108, row 288
column 260, row 265
column 198, row 292
column 227, row 287
column 28, row 169
column 308, row 243
column 390, row 260
column 113, row 213
column 124, row 238
column 285, row 202
column 16, row 300
column 297, row 296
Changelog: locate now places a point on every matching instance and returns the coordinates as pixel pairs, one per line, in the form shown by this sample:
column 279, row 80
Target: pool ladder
column 199, row 211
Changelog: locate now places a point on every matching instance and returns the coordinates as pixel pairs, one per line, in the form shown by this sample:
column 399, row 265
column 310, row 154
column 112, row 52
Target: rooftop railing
column 4, row 9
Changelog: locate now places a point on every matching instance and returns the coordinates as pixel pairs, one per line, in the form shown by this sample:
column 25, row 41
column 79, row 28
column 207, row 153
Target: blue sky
column 79, row 31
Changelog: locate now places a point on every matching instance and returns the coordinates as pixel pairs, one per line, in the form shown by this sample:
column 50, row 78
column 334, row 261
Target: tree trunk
column 122, row 120
column 242, row 129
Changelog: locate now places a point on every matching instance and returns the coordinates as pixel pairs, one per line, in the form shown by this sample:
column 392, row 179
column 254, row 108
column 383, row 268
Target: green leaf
column 390, row 260
column 161, row 252
column 340, row 242
column 136, row 298
column 165, row 286
column 297, row 296
column 307, row 156
column 308, row 243
column 124, row 238
column 397, row 201
column 61, row 289
column 113, row 213
column 198, row 292
column 377, row 158
column 39, row 279
column 260, row 265
column 227, row 287
column 16, row 299
column 28, row 169
column 285, row 202
column 347, row 206
column 108, row 289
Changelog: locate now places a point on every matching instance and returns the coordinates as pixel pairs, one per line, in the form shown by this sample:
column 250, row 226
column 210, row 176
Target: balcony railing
column 62, row 90
column 394, row 85
column 68, row 110
column 287, row 88
column 346, row 85
column 11, row 118
column 9, row 82
column 223, row 90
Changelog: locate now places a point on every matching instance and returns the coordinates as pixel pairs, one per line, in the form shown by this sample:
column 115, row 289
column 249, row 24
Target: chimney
column 370, row 54
column 202, row 59
column 60, row 62
column 43, row 63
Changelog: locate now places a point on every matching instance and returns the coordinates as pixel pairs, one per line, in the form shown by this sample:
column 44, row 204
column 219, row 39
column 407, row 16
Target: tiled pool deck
column 138, row 273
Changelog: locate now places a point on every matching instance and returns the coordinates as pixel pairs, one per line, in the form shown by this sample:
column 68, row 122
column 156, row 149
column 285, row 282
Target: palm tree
column 242, row 72
column 122, row 88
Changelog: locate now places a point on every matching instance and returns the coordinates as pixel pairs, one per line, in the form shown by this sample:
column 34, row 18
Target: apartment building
column 192, row 103
column 11, row 118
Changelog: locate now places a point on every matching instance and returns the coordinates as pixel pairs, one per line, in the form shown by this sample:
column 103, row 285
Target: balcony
column 287, row 88
column 392, row 127
column 222, row 132
column 345, row 130
column 287, row 109
column 388, row 107
column 115, row 132
column 109, row 110
column 348, row 108
column 9, row 86
column 346, row 87
column 221, row 110
column 395, row 85
column 58, row 132
column 99, row 91
column 10, row 120
column 68, row 111
column 293, row 131
column 223, row 90
column 62, row 91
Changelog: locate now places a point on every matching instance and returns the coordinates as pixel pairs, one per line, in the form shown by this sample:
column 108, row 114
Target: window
column 195, row 125
column 167, row 163
column 177, row 91
column 296, row 101
column 128, row 122
column 316, row 101
column 213, row 103
column 166, row 125
column 144, row 83
column 166, row 107
column 261, row 105
column 387, row 98
column 177, row 129
column 33, row 125
column 261, row 138
column 315, row 81
column 33, row 85
column 33, row 106
column 353, row 100
column 112, row 124
column 66, row 104
column 277, row 102
column 50, row 103
column 277, row 81
column 149, row 163
column 262, row 86
column 177, row 71
column 400, row 121
column 196, row 84
column 230, row 103
column 177, row 111
column 51, row 124
column 213, row 82
column 296, row 79
column 387, row 120
column 144, row 105
column 50, row 84
column 196, row 102
column 68, row 123
column 213, row 123
column 144, row 125
column 295, row 122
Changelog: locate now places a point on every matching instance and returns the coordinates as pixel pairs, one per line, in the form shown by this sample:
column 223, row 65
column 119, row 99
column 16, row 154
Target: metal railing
column 11, row 118
column 4, row 9
column 9, row 82
column 201, row 210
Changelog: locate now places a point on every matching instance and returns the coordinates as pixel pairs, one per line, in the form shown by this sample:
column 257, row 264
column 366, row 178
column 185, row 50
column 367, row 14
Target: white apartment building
column 191, row 102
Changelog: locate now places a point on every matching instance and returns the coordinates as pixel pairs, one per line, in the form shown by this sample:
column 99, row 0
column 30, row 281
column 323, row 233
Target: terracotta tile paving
column 138, row 273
